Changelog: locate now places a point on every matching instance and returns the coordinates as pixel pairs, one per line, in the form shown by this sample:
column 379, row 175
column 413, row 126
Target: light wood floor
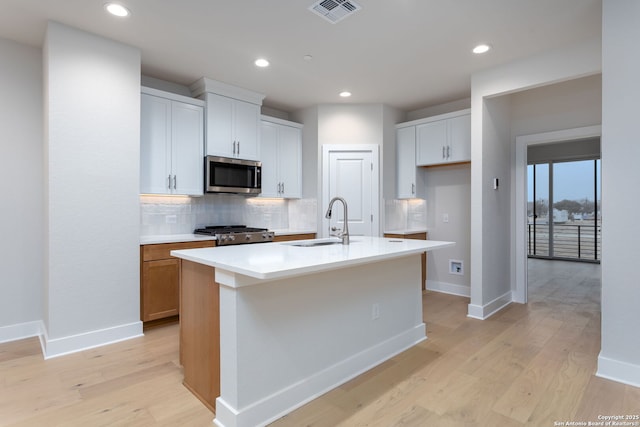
column 527, row 365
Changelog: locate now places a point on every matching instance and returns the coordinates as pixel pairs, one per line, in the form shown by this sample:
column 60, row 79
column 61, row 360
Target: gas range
column 236, row 234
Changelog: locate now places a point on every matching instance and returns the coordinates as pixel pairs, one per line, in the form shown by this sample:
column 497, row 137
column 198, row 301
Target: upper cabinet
column 281, row 156
column 406, row 162
column 443, row 139
column 232, row 127
column 171, row 143
column 232, row 119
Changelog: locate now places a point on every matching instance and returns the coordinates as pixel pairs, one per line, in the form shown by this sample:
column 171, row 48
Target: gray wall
column 620, row 354
column 21, row 219
column 92, row 170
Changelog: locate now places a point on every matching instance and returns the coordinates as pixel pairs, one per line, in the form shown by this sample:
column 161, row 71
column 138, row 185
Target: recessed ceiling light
column 345, row 94
column 481, row 48
column 307, row 57
column 261, row 62
column 117, row 9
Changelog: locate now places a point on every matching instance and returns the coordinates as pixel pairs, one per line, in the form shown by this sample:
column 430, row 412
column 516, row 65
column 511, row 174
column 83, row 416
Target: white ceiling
column 405, row 53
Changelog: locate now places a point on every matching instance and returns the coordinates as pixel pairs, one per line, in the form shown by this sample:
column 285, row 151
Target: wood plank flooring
column 528, row 365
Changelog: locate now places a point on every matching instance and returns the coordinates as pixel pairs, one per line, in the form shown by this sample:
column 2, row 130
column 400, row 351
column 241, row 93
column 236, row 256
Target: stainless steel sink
column 313, row 243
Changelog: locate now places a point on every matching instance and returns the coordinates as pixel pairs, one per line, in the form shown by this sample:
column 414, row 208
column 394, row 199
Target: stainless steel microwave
column 226, row 175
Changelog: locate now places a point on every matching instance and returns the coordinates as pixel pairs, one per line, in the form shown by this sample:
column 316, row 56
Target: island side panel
column 287, row 341
column 200, row 331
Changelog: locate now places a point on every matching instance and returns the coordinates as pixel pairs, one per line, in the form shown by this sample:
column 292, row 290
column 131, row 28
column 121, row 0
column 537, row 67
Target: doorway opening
column 568, row 140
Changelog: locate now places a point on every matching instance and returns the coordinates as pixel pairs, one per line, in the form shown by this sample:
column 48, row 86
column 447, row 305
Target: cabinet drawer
column 162, row 250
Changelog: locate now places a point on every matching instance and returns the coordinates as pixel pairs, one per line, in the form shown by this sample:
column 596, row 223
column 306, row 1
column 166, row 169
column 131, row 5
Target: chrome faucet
column 344, row 233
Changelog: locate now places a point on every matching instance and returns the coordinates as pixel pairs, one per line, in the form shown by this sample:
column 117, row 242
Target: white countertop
column 173, row 238
column 268, row 261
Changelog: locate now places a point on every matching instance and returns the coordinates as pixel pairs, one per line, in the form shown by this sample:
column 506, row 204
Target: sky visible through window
column 572, row 181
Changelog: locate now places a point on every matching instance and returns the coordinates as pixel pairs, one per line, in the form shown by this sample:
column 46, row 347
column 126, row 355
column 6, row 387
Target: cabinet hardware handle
column 448, row 151
column 283, row 188
column 278, row 188
column 238, row 148
column 413, row 189
column 234, row 148
column 169, row 182
column 443, row 151
column 175, row 182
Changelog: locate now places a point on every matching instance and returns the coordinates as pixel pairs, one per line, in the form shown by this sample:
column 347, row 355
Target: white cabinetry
column 171, row 144
column 444, row 139
column 232, row 119
column 406, row 162
column 281, row 156
column 232, row 127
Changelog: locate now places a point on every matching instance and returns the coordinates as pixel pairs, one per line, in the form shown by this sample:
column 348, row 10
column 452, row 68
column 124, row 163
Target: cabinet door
column 459, row 133
column 269, row 158
column 431, row 140
column 155, row 145
column 160, row 289
column 187, row 149
column 246, row 130
column 406, row 162
column 219, row 125
column 289, row 161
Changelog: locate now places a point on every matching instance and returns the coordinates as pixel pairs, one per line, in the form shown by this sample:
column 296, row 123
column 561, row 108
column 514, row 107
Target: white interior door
column 352, row 173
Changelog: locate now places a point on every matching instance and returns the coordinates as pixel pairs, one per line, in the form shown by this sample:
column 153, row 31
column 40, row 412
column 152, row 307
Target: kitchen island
column 295, row 320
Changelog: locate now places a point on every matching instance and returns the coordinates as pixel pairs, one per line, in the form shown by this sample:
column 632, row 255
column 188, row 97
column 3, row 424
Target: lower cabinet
column 200, row 332
column 160, row 280
column 290, row 237
column 414, row 236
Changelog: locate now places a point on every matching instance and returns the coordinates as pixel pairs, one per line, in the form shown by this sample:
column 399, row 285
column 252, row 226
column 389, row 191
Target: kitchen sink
column 313, row 243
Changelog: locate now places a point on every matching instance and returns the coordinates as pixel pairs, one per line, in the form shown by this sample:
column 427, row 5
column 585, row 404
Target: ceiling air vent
column 334, row 10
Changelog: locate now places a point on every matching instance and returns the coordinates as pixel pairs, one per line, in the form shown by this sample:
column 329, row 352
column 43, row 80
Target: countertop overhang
column 268, row 261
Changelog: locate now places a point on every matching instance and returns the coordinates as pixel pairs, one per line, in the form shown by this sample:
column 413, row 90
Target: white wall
column 491, row 264
column 347, row 124
column 620, row 354
column 21, row 220
column 448, row 191
column 92, row 122
column 570, row 104
column 350, row 124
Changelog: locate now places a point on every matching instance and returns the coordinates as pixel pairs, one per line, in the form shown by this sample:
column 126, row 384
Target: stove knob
column 223, row 238
column 247, row 237
column 232, row 238
column 265, row 236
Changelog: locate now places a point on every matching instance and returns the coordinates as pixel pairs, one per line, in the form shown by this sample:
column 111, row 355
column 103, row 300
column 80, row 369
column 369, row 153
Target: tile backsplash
column 405, row 214
column 162, row 215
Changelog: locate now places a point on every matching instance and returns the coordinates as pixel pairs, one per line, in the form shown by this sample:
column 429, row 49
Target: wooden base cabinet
column 200, row 331
column 414, row 236
column 160, row 278
column 291, row 237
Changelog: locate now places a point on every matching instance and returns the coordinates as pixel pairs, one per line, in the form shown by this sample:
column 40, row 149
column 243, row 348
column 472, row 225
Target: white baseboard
column 448, row 288
column 20, row 331
column 286, row 400
column 483, row 312
column 616, row 370
column 74, row 343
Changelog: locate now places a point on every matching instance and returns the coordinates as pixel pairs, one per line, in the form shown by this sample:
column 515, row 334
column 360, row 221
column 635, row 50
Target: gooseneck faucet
column 344, row 233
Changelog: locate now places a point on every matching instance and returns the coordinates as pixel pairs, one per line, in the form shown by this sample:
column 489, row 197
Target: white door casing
column 519, row 241
column 351, row 172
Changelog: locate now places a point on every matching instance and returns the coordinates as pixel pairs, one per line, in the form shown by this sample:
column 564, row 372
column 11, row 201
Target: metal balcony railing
column 569, row 241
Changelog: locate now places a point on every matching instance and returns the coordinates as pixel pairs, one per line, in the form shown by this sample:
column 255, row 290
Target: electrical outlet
column 375, row 311
column 445, row 217
column 171, row 219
